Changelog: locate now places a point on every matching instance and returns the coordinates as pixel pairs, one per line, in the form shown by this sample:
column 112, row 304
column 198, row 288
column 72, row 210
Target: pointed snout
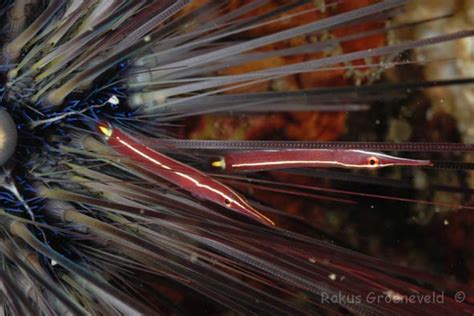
column 395, row 161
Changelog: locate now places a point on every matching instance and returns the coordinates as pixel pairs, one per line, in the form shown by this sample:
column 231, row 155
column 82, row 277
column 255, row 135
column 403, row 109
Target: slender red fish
column 183, row 176
column 315, row 158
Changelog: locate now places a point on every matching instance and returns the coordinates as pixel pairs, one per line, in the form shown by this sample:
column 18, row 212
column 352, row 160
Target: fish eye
column 227, row 202
column 373, row 161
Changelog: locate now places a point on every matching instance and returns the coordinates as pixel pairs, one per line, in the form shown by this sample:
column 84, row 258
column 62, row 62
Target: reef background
column 413, row 235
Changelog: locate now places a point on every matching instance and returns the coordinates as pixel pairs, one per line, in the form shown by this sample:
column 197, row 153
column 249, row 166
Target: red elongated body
column 315, row 158
column 189, row 179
